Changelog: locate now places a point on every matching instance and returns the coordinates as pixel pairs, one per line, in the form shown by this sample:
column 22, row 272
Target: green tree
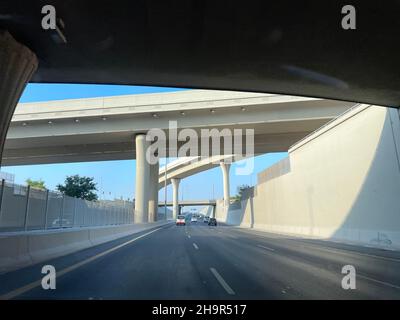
column 37, row 184
column 240, row 190
column 79, row 187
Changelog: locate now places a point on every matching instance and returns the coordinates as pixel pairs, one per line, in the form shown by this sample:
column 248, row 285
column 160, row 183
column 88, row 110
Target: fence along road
column 24, row 208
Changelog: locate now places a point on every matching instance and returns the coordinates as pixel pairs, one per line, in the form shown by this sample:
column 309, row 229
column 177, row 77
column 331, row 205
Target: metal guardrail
column 23, row 208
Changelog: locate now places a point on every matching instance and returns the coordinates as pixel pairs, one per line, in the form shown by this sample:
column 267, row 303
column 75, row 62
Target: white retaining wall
column 342, row 183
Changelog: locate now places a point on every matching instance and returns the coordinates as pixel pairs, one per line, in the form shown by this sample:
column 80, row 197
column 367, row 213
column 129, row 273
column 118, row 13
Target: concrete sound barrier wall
column 21, row 249
column 340, row 183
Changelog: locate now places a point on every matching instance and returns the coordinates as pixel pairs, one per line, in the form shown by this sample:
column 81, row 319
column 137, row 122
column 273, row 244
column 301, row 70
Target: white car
column 194, row 219
column 180, row 220
column 57, row 223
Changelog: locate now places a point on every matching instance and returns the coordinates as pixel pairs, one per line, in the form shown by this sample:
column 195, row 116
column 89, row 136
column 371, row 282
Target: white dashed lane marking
column 222, row 282
column 266, row 248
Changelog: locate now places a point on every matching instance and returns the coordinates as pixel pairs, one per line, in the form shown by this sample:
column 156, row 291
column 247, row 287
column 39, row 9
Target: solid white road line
column 28, row 287
column 266, row 248
column 222, row 282
column 195, row 246
column 378, row 281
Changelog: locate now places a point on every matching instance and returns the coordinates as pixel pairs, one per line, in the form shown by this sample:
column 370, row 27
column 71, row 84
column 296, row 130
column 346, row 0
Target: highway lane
column 306, row 269
column 202, row 262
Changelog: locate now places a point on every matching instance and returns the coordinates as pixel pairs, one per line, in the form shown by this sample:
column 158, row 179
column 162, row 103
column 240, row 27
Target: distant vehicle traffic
column 194, row 219
column 57, row 223
column 212, row 222
column 206, row 219
column 180, row 220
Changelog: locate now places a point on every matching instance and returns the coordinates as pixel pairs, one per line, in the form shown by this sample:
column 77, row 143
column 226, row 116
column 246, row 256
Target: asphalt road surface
column 201, row 262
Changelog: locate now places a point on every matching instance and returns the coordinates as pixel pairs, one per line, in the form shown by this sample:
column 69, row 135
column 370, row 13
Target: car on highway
column 206, row 219
column 212, row 222
column 194, row 219
column 60, row 223
column 181, row 220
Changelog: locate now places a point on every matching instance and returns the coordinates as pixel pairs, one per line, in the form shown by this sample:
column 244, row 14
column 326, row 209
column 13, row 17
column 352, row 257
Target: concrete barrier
column 21, row 249
column 48, row 245
column 14, row 252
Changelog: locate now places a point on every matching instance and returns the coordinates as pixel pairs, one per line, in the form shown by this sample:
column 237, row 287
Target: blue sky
column 116, row 179
column 43, row 92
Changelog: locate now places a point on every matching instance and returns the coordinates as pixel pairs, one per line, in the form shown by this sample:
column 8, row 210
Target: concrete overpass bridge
column 104, row 128
column 188, row 203
column 179, row 169
column 185, row 167
column 114, row 128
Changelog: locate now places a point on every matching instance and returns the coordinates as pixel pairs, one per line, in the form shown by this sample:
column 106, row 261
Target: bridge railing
column 23, row 208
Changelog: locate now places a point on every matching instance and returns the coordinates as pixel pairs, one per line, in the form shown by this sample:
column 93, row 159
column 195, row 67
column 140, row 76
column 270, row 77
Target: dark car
column 212, row 222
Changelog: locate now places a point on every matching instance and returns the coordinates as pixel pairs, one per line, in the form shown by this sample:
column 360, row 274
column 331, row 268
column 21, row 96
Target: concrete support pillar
column 175, row 197
column 142, row 180
column 153, row 192
column 17, row 65
column 225, row 177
